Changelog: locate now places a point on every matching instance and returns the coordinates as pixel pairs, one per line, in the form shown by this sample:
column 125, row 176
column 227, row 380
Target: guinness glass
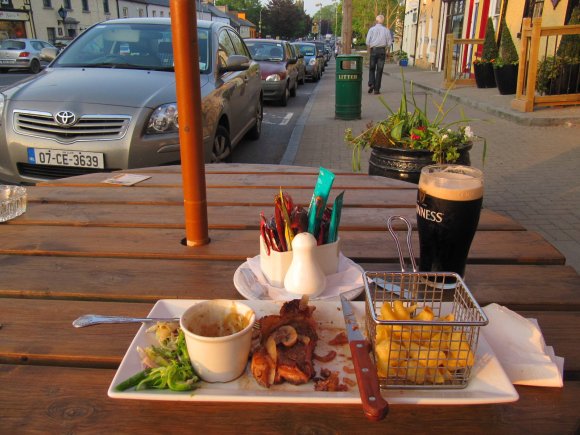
column 448, row 205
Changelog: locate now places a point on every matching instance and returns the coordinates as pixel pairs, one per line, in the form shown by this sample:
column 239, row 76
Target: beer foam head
column 452, row 183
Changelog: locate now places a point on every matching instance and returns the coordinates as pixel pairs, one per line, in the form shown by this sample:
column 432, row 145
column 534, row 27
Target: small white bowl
column 217, row 358
column 12, row 202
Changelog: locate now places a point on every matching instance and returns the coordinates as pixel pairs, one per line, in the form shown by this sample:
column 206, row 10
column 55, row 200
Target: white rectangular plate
column 489, row 383
column 77, row 159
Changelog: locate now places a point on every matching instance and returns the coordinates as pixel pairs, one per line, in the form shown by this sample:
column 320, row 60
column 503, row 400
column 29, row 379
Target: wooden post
column 449, row 43
column 346, row 32
column 185, row 49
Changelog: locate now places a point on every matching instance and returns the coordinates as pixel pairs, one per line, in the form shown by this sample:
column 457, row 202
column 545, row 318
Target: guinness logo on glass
column 65, row 118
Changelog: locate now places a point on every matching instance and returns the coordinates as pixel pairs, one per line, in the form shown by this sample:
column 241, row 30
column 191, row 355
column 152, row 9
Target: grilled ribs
column 286, row 346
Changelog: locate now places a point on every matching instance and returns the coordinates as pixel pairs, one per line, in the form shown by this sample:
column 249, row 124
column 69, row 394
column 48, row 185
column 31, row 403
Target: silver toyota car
column 108, row 102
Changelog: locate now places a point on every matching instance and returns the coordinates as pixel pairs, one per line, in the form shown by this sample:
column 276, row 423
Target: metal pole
column 186, row 55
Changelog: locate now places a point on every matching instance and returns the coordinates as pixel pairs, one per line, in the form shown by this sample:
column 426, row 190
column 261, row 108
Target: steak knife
column 374, row 406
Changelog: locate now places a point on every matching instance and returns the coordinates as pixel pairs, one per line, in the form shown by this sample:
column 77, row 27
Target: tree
column 250, row 7
column 284, row 19
column 365, row 12
column 329, row 16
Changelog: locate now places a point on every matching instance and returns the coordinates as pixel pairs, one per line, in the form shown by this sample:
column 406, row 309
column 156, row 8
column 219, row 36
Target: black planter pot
column 403, row 164
column 506, row 78
column 484, row 77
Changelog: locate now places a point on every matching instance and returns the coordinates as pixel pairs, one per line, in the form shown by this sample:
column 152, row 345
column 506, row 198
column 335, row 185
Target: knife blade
column 374, row 406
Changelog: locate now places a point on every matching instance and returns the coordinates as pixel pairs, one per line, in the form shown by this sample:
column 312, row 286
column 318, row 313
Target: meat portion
column 286, row 346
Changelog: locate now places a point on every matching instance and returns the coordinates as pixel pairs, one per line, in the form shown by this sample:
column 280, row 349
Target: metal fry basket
column 434, row 347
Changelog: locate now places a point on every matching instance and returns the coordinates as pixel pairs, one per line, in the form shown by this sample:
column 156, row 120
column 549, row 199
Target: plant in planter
column 505, row 68
column 406, row 140
column 402, row 57
column 482, row 67
column 559, row 74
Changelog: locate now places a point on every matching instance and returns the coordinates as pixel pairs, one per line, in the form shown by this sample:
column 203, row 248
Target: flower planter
column 403, row 62
column 404, row 164
column 484, row 77
column 506, row 78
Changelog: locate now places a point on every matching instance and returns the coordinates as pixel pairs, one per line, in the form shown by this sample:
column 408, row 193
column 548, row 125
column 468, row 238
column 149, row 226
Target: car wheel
column 284, row 97
column 222, row 146
column 294, row 89
column 34, row 66
column 256, row 130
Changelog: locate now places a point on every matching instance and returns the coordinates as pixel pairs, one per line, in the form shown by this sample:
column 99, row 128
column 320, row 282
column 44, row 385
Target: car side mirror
column 235, row 62
column 48, row 54
column 292, row 60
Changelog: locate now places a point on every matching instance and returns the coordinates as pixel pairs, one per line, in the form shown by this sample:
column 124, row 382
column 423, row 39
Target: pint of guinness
column 448, row 205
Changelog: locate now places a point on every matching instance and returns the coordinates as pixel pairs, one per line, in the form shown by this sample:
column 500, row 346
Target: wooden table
column 88, row 247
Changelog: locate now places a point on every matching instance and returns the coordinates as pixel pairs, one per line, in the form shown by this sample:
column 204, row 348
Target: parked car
column 312, row 62
column 108, row 102
column 300, row 64
column 278, row 68
column 321, row 53
column 21, row 53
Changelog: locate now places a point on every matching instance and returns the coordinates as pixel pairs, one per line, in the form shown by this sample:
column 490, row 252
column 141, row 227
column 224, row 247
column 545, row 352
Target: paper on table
column 520, row 347
column 348, row 277
column 126, row 179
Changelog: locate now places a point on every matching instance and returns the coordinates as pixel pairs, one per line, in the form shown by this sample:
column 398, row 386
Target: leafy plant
column 508, row 55
column 570, row 44
column 490, row 52
column 412, row 129
column 548, row 70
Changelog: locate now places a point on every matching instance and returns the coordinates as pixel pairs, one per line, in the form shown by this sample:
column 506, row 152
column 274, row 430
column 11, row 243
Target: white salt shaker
column 304, row 276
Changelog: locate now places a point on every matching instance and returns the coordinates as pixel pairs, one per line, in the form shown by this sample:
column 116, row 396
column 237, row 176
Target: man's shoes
column 370, row 89
column 376, row 92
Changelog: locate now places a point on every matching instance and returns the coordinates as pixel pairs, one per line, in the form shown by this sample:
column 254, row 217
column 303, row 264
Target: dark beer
column 448, row 206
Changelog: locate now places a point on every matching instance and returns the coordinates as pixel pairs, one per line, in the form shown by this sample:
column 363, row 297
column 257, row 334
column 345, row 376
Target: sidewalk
column 532, row 161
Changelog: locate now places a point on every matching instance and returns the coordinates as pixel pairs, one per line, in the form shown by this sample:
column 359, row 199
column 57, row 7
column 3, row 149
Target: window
column 47, row 3
column 226, row 48
column 66, row 4
column 51, row 33
column 141, row 13
column 125, row 12
column 154, row 13
column 106, row 6
column 239, row 44
column 533, row 8
column 86, row 6
column 161, row 14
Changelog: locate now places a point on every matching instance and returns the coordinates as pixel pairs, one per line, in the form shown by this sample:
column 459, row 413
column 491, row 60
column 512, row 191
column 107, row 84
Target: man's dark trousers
column 377, row 63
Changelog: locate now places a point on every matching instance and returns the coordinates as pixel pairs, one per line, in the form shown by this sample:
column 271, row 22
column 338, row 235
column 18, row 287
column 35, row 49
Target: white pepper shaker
column 304, row 276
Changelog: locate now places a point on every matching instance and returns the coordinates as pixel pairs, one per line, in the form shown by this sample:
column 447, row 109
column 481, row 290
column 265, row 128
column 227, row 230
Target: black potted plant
column 505, row 68
column 482, row 67
column 406, row 140
column 559, row 74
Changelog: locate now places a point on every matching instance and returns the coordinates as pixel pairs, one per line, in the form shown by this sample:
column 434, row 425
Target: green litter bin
column 348, row 86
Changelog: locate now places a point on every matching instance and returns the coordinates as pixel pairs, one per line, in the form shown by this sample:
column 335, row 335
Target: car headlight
column 273, row 78
column 163, row 120
column 312, row 62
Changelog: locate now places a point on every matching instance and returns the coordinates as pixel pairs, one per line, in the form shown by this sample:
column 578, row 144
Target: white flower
column 449, row 130
column 468, row 132
column 444, row 137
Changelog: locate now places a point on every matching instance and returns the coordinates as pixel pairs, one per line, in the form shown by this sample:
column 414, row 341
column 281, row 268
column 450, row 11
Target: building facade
column 428, row 22
column 60, row 21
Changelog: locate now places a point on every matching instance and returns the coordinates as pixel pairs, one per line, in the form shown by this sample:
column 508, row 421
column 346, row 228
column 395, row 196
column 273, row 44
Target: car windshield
column 9, row 44
column 307, row 50
column 266, row 50
column 128, row 46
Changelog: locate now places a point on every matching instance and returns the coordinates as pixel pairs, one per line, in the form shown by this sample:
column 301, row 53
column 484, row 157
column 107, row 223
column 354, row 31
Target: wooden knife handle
column 374, row 406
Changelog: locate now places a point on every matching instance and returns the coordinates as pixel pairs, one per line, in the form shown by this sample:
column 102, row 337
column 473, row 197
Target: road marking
column 275, row 119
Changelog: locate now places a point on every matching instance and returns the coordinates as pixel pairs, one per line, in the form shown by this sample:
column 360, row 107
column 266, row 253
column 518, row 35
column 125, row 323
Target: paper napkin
column 348, row 278
column 520, row 348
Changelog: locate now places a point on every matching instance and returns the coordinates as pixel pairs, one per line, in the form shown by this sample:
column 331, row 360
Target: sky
column 311, row 8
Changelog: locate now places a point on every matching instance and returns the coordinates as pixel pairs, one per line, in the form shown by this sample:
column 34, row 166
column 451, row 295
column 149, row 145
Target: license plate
column 78, row 159
column 6, row 61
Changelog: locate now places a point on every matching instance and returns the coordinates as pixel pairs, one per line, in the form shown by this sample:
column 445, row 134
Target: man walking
column 379, row 40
